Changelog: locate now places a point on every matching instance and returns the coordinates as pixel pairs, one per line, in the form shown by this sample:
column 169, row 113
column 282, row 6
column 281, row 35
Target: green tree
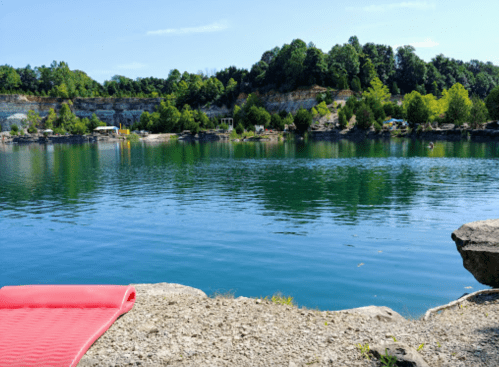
column 257, row 116
column 492, row 103
column 417, row 112
column 364, row 116
column 322, row 109
column 356, row 84
column 459, row 104
column 478, row 112
column 388, row 107
column 33, row 118
column 239, row 128
column 66, row 118
column 169, row 118
column 187, row 121
column 315, row 67
column 303, row 120
column 9, row 78
column 79, row 128
column 377, row 91
column 342, row 120
column 288, row 120
column 277, row 122
column 95, row 122
column 51, row 119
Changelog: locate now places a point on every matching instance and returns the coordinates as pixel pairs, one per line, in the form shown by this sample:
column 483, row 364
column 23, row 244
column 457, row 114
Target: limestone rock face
column 406, row 356
column 478, row 244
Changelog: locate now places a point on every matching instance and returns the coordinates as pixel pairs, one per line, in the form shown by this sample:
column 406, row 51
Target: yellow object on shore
column 124, row 131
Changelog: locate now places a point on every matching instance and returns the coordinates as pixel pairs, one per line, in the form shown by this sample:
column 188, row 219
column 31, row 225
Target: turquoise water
column 334, row 225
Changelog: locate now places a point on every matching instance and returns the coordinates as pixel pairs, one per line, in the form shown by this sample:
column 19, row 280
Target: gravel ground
column 175, row 325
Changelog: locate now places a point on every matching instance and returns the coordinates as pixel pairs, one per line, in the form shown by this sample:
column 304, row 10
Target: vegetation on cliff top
column 435, row 91
column 348, row 66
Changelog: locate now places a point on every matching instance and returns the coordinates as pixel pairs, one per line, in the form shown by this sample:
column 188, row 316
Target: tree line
column 348, row 66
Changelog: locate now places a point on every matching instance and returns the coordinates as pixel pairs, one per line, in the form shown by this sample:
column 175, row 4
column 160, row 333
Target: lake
column 333, row 224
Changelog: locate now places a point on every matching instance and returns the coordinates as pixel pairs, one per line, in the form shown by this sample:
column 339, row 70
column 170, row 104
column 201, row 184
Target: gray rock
column 167, row 289
column 380, row 313
column 493, row 125
column 406, row 356
column 478, row 244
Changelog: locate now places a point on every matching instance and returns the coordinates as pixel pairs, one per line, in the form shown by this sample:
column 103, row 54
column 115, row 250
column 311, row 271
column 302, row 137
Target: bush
column 348, row 113
column 417, row 112
column 239, row 128
column 303, row 120
column 342, row 119
column 13, row 133
column 492, row 103
column 14, row 127
column 388, row 108
column 365, row 117
column 224, row 127
column 377, row 126
column 32, row 130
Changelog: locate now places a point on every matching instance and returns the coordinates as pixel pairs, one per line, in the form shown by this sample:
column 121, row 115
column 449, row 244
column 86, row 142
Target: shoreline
column 176, row 325
column 353, row 134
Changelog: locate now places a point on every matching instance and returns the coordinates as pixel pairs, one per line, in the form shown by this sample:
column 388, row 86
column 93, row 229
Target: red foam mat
column 54, row 325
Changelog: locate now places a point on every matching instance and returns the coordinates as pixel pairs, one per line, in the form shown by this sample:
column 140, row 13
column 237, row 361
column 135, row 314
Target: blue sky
column 149, row 38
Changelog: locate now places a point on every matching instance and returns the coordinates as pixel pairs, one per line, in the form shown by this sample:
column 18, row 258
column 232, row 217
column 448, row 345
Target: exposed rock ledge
column 176, row 325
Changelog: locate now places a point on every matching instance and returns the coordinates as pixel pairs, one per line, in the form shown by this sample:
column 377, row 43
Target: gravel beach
column 176, row 325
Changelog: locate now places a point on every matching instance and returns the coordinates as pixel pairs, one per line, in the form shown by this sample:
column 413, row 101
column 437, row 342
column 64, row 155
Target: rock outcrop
column 405, row 355
column 113, row 111
column 478, row 244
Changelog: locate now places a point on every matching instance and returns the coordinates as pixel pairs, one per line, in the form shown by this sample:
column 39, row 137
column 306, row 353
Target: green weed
column 279, row 299
column 364, row 350
column 420, row 347
column 388, row 360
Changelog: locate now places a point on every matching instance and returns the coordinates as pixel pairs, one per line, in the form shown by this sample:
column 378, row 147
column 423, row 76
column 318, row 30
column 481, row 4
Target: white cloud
column 214, row 27
column 415, row 5
column 426, row 43
column 132, row 66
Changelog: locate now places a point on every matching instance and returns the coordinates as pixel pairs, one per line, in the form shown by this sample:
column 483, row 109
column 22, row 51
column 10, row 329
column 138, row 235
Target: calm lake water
column 334, row 225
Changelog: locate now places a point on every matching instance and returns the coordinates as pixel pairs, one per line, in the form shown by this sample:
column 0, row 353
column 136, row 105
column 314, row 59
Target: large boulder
column 478, row 244
column 406, row 356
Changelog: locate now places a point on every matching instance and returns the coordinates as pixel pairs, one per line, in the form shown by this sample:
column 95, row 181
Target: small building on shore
column 107, row 129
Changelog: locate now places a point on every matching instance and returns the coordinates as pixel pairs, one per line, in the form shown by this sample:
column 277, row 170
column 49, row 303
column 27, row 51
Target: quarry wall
column 126, row 111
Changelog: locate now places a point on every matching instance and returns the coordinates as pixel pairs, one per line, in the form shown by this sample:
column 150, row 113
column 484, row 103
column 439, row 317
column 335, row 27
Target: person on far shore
column 431, row 145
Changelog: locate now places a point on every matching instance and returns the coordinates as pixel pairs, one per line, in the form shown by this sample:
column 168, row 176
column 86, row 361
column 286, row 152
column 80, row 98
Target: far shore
column 489, row 133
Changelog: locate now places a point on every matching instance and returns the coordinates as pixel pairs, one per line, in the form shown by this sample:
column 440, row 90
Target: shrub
column 365, row 117
column 239, row 128
column 492, row 102
column 342, row 119
column 377, row 126
column 303, row 120
column 14, row 127
column 224, row 127
column 417, row 112
column 32, row 130
column 13, row 133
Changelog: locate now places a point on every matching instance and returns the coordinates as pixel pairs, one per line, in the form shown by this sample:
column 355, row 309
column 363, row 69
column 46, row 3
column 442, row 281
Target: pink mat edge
column 124, row 308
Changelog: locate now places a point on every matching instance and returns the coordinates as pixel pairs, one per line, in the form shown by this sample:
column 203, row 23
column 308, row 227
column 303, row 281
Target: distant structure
column 229, row 121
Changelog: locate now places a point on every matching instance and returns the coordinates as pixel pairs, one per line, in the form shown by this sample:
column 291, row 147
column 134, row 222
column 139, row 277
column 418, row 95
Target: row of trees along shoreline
column 372, row 109
column 431, row 86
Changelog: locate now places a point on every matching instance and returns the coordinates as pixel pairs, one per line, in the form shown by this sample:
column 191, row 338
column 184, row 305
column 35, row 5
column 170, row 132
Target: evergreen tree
column 417, row 112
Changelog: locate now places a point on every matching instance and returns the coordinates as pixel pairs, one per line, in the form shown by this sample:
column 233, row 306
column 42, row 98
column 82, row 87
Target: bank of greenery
column 435, row 91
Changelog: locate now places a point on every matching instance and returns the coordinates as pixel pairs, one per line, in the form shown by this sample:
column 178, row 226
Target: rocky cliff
column 126, row 111
column 113, row 111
